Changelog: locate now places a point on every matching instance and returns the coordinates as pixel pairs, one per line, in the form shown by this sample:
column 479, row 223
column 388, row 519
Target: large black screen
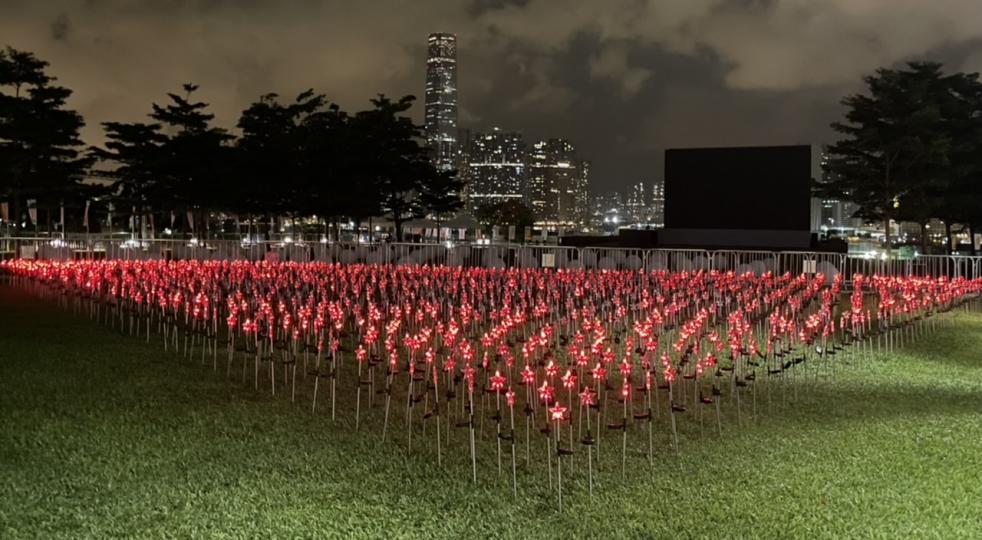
column 763, row 187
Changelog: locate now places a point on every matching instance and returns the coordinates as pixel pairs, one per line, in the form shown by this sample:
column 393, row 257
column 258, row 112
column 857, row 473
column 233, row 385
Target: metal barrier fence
column 495, row 256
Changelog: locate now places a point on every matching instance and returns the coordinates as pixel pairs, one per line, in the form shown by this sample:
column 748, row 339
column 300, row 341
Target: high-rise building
column 637, row 203
column 834, row 213
column 658, row 204
column 441, row 100
column 463, row 143
column 557, row 183
column 494, row 168
column 608, row 211
column 581, row 194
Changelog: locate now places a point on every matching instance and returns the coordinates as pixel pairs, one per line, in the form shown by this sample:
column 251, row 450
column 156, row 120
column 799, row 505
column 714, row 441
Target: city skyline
column 548, row 176
column 624, row 80
column 493, row 167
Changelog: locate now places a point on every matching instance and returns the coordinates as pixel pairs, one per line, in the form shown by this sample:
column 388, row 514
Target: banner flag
column 32, row 210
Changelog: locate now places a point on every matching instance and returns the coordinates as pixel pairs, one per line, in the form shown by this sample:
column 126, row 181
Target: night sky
column 622, row 78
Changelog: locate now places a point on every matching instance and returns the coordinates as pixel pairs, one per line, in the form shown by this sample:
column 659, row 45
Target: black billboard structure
column 739, row 197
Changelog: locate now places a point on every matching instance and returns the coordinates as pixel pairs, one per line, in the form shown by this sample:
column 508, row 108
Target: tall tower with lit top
column 441, row 99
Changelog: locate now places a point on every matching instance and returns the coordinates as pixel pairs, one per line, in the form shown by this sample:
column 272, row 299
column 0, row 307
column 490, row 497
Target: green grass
column 102, row 435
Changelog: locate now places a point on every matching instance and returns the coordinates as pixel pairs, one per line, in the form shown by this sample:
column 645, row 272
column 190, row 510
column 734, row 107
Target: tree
column 177, row 163
column 303, row 158
column 891, row 161
column 273, row 164
column 20, row 69
column 136, row 152
column 441, row 196
column 961, row 203
column 40, row 149
column 334, row 179
column 194, row 168
column 397, row 165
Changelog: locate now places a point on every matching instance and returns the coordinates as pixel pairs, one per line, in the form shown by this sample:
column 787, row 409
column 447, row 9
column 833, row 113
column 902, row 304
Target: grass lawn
column 103, row 435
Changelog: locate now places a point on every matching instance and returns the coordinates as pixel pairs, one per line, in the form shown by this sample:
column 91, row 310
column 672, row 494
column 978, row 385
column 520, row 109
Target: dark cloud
column 478, row 7
column 622, row 78
column 60, row 27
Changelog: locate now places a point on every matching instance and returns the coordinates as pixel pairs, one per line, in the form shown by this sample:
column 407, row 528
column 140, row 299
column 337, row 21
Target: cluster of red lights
column 563, row 336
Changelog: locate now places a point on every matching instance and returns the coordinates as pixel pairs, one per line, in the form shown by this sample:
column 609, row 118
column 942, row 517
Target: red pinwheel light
column 552, row 369
column 599, row 372
column 249, row 326
column 568, row 379
column 557, row 412
column 468, row 372
column 625, row 368
column 587, row 397
column 497, row 381
column 528, row 376
column 546, row 393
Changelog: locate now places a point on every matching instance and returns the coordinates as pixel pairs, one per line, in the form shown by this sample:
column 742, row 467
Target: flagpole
column 5, row 207
column 109, row 244
column 32, row 204
column 85, row 219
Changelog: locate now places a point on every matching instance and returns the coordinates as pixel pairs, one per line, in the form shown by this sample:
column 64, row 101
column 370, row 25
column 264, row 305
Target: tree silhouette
column 333, row 182
column 301, row 159
column 40, row 149
column 272, row 162
column 398, row 165
column 441, row 196
column 196, row 157
column 891, row 160
column 961, row 202
column 135, row 154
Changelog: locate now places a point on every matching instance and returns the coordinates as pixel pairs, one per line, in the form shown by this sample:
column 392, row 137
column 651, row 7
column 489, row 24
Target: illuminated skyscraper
column 646, row 207
column 637, row 203
column 557, row 183
column 581, row 194
column 834, row 213
column 658, row 204
column 441, row 100
column 494, row 168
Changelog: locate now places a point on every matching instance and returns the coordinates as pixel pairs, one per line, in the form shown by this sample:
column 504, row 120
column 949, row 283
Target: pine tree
column 891, row 161
column 40, row 150
column 196, row 157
